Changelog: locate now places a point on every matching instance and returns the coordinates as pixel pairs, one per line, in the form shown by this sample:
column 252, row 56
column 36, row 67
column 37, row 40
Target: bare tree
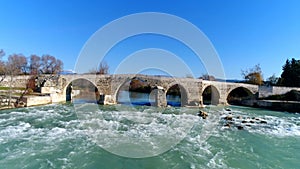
column 47, row 63
column 12, row 69
column 92, row 71
column 207, row 77
column 2, row 66
column 51, row 65
column 103, row 68
column 35, row 64
column 17, row 64
column 58, row 66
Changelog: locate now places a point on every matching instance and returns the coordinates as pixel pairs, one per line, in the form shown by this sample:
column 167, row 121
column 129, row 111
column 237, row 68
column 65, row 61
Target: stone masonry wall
column 17, row 81
column 192, row 88
column 265, row 91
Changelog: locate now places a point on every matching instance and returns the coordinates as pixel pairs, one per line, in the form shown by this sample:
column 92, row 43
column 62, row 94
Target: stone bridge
column 191, row 89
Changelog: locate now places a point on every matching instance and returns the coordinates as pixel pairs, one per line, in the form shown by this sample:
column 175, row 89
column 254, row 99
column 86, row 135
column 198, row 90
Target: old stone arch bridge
column 191, row 89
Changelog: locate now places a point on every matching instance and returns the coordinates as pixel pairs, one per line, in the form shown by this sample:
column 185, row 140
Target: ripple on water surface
column 54, row 137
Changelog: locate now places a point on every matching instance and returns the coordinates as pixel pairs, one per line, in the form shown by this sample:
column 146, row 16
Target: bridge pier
column 223, row 101
column 160, row 96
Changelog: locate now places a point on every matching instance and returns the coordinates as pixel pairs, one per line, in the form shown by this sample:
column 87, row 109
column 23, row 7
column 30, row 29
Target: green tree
column 253, row 75
column 291, row 73
column 272, row 80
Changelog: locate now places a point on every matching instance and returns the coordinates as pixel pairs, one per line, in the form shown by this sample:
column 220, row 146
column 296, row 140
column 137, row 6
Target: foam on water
column 281, row 126
column 52, row 136
column 136, row 133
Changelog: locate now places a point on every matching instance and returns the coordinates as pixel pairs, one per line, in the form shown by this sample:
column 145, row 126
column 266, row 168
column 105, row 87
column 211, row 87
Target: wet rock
column 228, row 118
column 239, row 117
column 248, row 125
column 230, row 122
column 203, row 114
column 263, row 122
column 252, row 121
column 228, row 109
column 227, row 125
column 244, row 121
column 240, row 127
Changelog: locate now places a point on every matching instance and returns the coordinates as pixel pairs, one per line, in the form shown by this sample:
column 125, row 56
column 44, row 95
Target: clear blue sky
column 243, row 32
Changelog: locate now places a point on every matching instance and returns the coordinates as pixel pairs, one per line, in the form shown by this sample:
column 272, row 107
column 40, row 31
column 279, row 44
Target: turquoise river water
column 61, row 136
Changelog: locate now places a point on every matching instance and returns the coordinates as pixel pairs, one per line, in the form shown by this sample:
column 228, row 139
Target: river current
column 58, row 136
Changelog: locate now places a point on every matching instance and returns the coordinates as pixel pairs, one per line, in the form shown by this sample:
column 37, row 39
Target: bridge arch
column 210, row 95
column 183, row 94
column 123, row 93
column 118, row 89
column 83, row 88
column 238, row 94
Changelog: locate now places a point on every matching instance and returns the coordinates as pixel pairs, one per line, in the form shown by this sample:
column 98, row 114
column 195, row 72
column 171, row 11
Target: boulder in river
column 240, row 127
column 203, row 114
column 263, row 122
column 228, row 109
column 228, row 118
column 239, row 117
column 227, row 125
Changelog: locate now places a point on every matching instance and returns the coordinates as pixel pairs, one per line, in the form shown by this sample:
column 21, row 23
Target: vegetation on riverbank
column 290, row 76
column 11, row 88
column 12, row 93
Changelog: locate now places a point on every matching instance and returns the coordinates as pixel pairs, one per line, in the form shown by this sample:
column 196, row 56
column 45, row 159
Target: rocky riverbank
column 25, row 101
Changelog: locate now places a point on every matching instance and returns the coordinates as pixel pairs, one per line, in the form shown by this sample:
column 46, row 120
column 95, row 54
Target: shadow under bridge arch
column 83, row 91
column 134, row 91
column 176, row 95
column 210, row 95
column 239, row 96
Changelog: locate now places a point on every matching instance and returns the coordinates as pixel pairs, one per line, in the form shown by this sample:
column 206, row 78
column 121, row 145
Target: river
column 138, row 137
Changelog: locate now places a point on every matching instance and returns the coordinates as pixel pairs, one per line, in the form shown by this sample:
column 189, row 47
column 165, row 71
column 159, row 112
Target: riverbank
column 277, row 105
column 280, row 105
column 25, row 101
